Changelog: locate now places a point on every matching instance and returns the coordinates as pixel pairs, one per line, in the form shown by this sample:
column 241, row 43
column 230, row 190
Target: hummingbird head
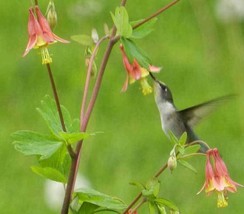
column 162, row 93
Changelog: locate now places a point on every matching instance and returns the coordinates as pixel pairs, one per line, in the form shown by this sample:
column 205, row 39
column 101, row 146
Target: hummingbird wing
column 194, row 114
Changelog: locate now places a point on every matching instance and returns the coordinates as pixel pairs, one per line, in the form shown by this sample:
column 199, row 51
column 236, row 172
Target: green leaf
column 99, row 199
column 152, row 208
column 49, row 113
column 133, row 52
column 187, row 165
column 152, row 189
column 59, row 161
column 167, row 203
column 121, row 21
column 144, row 29
column 161, row 209
column 183, row 139
column 83, row 39
column 192, row 149
column 33, row 143
column 87, row 208
column 73, row 137
column 138, row 184
column 173, row 138
column 50, row 173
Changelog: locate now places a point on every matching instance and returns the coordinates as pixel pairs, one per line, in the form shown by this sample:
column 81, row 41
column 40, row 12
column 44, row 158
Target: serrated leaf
column 134, row 52
column 50, row 173
column 167, row 203
column 72, row 138
column 121, row 21
column 48, row 111
column 183, row 139
column 99, row 199
column 144, row 29
column 187, row 165
column 50, row 115
column 192, row 149
column 33, row 143
column 83, row 39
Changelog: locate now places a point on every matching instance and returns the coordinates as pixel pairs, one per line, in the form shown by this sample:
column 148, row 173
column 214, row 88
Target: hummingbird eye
column 164, row 88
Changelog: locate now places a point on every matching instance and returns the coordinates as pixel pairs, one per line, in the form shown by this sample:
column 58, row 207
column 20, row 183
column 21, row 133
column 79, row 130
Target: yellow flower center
column 221, row 201
column 40, row 42
column 146, row 88
column 46, row 58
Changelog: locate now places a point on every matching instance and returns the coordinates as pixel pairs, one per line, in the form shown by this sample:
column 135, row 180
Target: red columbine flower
column 40, row 34
column 217, row 178
column 136, row 72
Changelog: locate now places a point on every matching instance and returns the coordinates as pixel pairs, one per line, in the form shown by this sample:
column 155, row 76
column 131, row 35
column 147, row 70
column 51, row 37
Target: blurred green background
column 202, row 58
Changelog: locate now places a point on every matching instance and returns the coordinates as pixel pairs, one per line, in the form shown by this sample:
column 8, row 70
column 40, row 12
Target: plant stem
column 88, row 76
column 137, row 198
column 155, row 14
column 138, row 205
column 85, row 117
column 36, row 2
column 56, row 98
column 84, row 123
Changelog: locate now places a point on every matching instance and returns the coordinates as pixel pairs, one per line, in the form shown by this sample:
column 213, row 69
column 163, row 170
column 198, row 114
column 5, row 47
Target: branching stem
column 85, row 115
column 156, row 14
column 56, row 98
column 88, row 76
column 137, row 198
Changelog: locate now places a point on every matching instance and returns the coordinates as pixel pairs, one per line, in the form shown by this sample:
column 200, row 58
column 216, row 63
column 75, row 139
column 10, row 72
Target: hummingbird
column 180, row 121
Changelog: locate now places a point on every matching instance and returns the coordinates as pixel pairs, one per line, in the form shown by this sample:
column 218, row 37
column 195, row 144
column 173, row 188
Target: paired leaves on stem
column 50, row 150
column 150, row 193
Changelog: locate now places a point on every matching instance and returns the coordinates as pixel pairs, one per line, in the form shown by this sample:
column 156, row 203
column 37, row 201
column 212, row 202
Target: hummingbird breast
column 171, row 120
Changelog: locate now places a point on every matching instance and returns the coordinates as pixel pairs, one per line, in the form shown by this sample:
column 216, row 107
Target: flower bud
column 172, row 162
column 94, row 35
column 51, row 15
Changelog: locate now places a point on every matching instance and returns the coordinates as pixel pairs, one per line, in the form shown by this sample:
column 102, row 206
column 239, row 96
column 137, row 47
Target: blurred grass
column 202, row 59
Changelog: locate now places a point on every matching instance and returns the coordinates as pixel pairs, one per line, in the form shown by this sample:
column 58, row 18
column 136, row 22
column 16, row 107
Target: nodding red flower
column 40, row 34
column 136, row 72
column 217, row 178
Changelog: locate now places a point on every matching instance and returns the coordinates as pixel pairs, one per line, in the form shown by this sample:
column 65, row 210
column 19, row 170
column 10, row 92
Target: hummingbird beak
column 156, row 80
column 153, row 77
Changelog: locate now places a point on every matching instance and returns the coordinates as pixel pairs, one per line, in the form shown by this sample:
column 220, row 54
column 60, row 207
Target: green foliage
column 183, row 150
column 187, row 165
column 50, row 150
column 33, row 143
column 150, row 192
column 134, row 52
column 91, row 200
column 121, row 21
column 143, row 30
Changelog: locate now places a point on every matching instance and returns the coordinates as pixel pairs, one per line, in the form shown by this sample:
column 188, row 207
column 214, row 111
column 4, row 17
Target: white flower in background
column 54, row 192
column 230, row 10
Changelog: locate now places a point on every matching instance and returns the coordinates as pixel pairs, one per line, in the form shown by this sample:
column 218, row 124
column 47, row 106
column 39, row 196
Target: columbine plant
column 217, row 178
column 40, row 34
column 136, row 72
column 58, row 151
